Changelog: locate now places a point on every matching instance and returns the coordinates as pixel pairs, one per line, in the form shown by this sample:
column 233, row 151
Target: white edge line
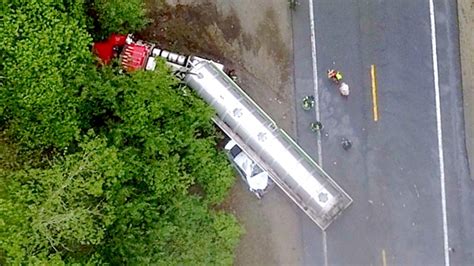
column 440, row 134
column 316, row 106
column 315, row 78
column 325, row 249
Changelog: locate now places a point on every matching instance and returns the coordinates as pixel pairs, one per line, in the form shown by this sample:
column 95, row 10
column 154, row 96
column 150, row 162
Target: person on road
column 308, row 102
column 346, row 144
column 316, row 126
column 231, row 73
column 335, row 75
column 293, row 4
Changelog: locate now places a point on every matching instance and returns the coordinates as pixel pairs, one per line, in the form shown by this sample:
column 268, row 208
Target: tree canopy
column 98, row 167
column 118, row 16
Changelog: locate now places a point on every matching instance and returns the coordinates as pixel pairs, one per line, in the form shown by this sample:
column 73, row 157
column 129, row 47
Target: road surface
column 394, row 172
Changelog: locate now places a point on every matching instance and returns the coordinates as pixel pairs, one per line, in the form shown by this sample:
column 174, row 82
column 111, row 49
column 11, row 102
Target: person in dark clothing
column 346, row 144
column 316, row 126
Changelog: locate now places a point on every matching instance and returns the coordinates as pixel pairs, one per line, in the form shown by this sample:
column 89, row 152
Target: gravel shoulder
column 466, row 40
column 254, row 38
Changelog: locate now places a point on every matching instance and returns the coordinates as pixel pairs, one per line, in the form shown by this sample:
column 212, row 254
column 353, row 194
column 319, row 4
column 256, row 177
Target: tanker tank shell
column 288, row 165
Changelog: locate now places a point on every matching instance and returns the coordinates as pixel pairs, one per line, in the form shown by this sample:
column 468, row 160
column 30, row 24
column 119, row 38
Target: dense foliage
column 119, row 15
column 99, row 167
column 46, row 60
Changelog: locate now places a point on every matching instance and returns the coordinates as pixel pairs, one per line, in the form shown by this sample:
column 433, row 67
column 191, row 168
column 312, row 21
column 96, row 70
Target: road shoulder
column 466, row 40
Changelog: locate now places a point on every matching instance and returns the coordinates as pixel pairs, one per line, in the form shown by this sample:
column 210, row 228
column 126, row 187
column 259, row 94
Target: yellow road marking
column 384, row 259
column 374, row 93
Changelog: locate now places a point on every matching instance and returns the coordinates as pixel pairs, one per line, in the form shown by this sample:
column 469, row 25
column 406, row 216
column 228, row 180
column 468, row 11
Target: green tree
column 163, row 122
column 167, row 142
column 62, row 211
column 182, row 233
column 98, row 167
column 119, row 16
column 45, row 64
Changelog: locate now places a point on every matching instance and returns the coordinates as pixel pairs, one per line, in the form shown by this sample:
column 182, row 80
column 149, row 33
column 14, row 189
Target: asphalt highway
column 394, row 171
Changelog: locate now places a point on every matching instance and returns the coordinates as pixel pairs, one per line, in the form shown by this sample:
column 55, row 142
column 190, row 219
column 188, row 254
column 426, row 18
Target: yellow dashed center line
column 384, row 259
column 374, row 93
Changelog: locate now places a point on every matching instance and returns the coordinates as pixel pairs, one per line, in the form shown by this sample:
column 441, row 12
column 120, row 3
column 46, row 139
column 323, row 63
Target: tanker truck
column 275, row 152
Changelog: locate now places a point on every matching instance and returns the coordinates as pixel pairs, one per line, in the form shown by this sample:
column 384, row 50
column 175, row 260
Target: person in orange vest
column 335, row 75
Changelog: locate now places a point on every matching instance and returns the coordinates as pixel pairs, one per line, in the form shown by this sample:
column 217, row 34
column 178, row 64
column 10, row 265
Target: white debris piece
column 344, row 89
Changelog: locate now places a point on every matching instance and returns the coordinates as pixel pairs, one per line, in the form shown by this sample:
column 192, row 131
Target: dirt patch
column 466, row 41
column 191, row 29
column 254, row 38
column 257, row 237
column 272, row 237
column 258, row 51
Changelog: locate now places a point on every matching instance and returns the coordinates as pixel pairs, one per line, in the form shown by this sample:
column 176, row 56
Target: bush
column 101, row 165
column 120, row 16
column 46, row 59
